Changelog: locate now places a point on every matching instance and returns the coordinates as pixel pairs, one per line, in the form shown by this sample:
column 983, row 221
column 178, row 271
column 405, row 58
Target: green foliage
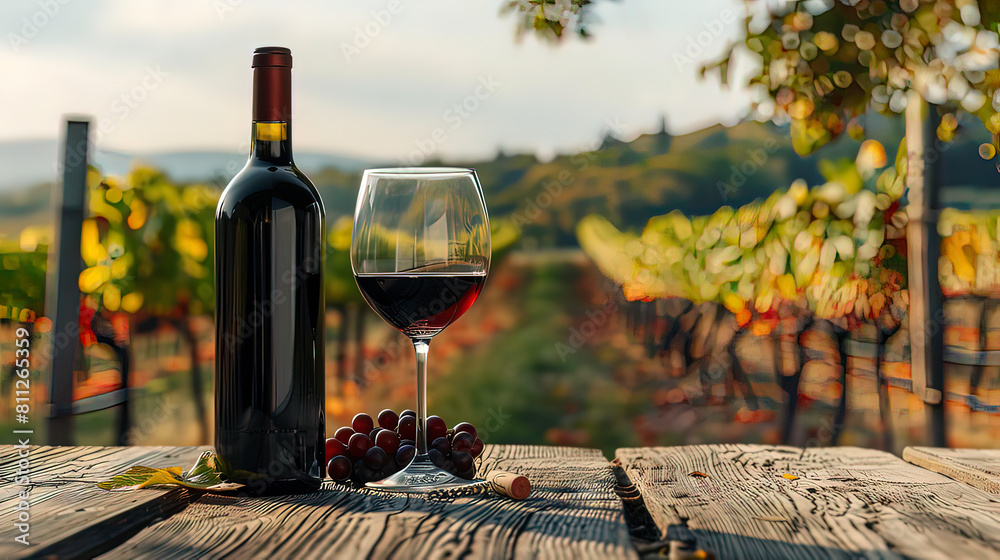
column 825, row 248
column 22, row 281
column 824, row 64
column 204, row 475
column 550, row 20
column 148, row 244
column 532, row 376
column 339, row 277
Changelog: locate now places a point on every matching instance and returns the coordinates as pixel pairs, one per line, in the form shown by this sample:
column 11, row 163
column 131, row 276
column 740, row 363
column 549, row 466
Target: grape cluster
column 364, row 452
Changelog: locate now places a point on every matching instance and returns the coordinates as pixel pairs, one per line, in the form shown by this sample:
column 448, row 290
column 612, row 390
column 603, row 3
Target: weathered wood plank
column 69, row 516
column 572, row 513
column 847, row 503
column 978, row 467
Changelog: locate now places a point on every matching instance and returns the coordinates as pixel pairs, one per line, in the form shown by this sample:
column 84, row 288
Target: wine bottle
column 269, row 304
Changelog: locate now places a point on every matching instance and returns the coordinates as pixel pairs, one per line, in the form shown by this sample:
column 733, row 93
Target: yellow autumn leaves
column 825, row 248
column 969, row 259
column 121, row 209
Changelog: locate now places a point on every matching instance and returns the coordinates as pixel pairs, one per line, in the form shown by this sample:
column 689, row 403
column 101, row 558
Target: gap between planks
column 846, row 502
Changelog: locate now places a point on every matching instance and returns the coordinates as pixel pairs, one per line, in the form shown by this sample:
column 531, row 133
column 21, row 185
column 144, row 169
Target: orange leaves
column 138, row 213
column 743, row 317
column 43, row 325
column 871, row 155
column 877, row 303
column 746, row 416
column 761, row 328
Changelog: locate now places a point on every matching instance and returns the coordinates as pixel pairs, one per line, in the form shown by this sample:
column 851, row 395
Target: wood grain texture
column 70, row 517
column 572, row 513
column 978, row 467
column 846, row 503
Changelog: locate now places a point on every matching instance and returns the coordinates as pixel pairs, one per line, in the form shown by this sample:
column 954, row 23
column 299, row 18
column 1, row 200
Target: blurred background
column 702, row 212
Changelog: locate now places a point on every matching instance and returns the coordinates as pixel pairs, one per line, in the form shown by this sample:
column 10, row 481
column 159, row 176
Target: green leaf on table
column 204, row 475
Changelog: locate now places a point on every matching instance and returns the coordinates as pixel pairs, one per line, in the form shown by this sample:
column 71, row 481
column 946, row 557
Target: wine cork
column 515, row 486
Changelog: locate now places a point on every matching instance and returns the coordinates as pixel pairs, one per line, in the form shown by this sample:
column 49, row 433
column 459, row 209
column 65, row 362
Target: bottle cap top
column 275, row 57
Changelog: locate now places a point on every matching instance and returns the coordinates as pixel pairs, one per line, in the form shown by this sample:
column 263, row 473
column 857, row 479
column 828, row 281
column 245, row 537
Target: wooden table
column 768, row 502
column 573, row 513
column 734, row 501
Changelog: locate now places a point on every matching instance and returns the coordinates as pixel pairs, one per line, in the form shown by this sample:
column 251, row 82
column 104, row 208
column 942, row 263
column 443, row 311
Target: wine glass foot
column 420, row 476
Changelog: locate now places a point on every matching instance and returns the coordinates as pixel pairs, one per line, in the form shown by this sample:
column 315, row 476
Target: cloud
column 428, row 57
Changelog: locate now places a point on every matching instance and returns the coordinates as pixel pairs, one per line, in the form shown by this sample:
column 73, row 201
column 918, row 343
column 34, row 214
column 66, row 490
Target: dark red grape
column 462, row 442
column 405, row 455
column 403, row 442
column 468, row 428
column 462, row 460
column 437, row 457
column 339, row 468
column 408, row 427
column 408, row 412
column 477, row 448
column 467, row 475
column 436, row 428
column 359, row 445
column 374, row 432
column 362, row 473
column 344, row 434
column 334, row 447
column 388, row 440
column 375, row 458
column 362, row 423
column 388, row 419
column 442, row 445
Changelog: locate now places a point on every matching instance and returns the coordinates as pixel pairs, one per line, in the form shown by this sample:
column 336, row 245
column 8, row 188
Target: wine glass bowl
column 420, row 252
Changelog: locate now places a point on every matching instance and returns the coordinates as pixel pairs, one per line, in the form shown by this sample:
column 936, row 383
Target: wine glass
column 420, row 251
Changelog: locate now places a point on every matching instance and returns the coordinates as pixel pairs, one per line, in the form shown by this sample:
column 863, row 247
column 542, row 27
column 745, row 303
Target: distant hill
column 627, row 182
column 31, row 162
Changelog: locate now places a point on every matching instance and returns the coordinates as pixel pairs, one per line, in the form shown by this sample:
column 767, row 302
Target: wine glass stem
column 421, row 347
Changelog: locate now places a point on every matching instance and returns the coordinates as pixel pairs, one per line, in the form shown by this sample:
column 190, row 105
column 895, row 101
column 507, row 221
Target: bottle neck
column 271, row 142
column 271, row 135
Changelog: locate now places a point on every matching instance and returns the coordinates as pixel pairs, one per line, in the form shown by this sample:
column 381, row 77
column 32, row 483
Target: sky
column 165, row 76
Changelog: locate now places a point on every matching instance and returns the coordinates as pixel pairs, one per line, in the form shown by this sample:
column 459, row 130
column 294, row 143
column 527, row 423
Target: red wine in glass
column 420, row 251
